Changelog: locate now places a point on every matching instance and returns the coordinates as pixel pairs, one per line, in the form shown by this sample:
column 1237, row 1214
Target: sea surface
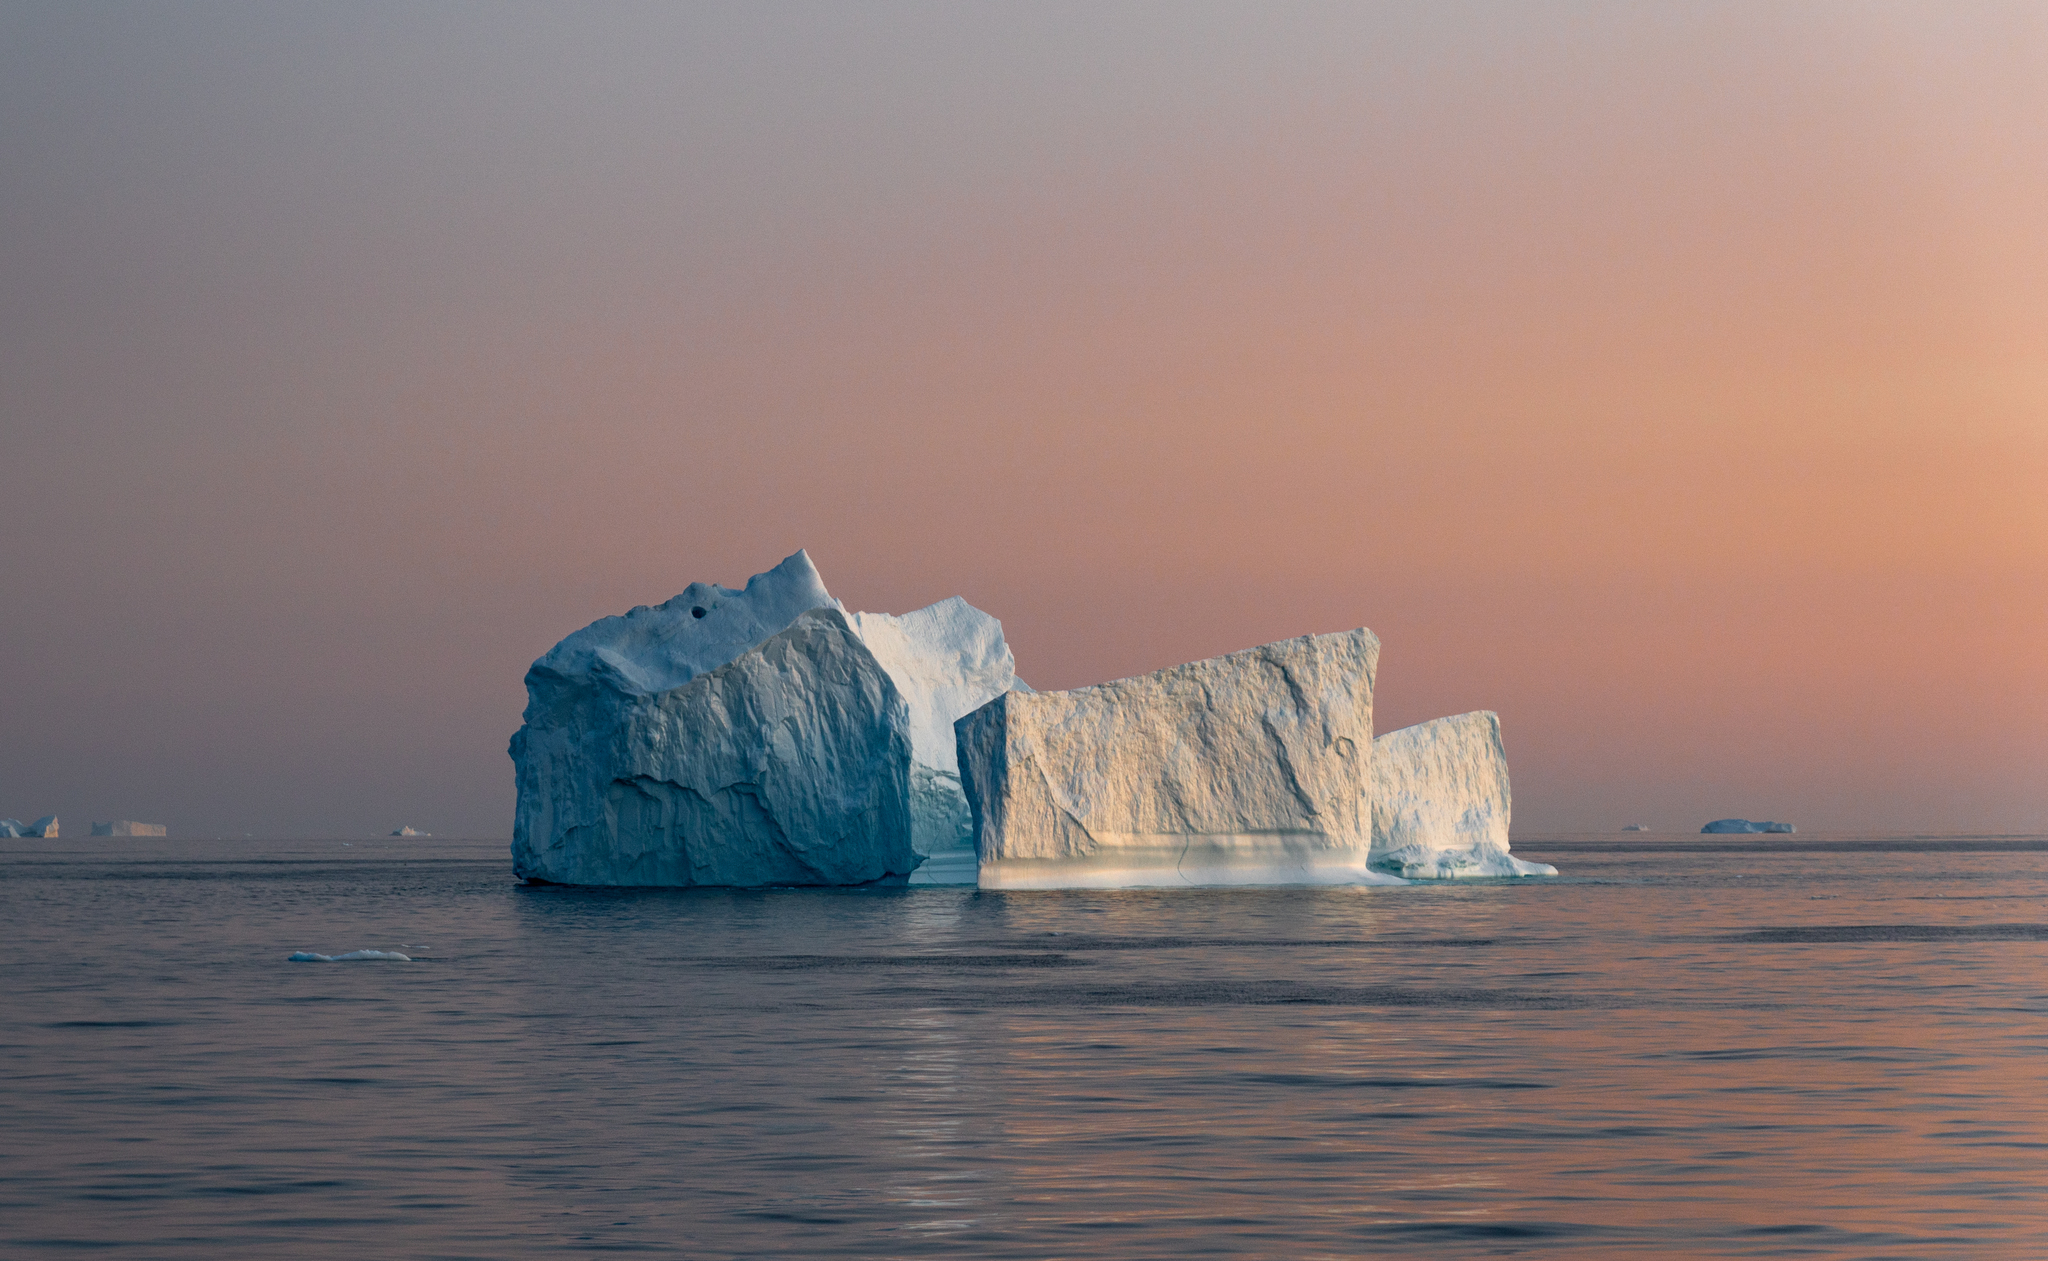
column 1684, row 1046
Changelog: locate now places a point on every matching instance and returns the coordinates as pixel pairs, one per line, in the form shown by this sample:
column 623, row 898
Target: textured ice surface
column 128, row 827
column 11, row 827
column 787, row 764
column 1746, row 825
column 1440, row 801
column 1247, row 769
column 597, row 804
column 947, row 660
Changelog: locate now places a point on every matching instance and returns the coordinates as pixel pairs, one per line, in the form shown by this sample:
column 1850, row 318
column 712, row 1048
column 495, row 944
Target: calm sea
column 1738, row 1047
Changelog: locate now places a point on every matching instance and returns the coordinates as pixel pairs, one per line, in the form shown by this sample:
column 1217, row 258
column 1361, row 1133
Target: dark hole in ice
column 697, row 611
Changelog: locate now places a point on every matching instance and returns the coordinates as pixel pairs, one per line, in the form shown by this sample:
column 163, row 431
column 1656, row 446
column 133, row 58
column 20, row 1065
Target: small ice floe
column 353, row 956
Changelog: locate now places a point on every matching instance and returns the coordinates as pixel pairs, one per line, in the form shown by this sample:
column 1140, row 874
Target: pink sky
column 1675, row 384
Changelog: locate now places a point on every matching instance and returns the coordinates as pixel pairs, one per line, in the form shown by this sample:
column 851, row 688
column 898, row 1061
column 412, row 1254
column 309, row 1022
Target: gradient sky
column 1671, row 379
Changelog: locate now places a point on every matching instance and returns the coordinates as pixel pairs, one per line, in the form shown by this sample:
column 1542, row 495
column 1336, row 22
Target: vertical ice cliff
column 1252, row 768
column 947, row 660
column 788, row 764
column 707, row 741
column 1440, row 801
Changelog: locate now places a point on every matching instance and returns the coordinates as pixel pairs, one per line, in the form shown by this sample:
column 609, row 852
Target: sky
column 1671, row 379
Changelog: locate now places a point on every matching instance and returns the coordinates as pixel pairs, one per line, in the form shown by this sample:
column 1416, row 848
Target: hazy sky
column 1672, row 379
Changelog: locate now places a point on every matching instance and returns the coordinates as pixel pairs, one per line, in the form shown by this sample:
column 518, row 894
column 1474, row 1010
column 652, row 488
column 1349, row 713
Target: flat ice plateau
column 1251, row 768
column 1747, row 825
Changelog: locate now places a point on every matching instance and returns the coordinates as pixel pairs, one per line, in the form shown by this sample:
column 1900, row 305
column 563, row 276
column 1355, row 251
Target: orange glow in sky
column 1675, row 383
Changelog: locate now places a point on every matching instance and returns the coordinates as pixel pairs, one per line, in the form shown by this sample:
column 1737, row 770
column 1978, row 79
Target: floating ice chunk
column 1248, row 769
column 44, row 827
column 1440, row 801
column 353, row 956
column 1636, row 827
column 1746, row 825
column 128, row 827
column 11, row 827
column 408, row 830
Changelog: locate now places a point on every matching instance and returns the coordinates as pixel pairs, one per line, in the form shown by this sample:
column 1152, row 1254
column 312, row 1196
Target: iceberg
column 789, row 764
column 409, row 830
column 1440, row 801
column 947, row 660
column 44, row 827
column 127, row 827
column 1252, row 768
column 754, row 737
column 11, row 828
column 1746, row 825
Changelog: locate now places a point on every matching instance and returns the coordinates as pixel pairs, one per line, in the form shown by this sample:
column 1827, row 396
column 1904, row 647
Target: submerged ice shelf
column 765, row 736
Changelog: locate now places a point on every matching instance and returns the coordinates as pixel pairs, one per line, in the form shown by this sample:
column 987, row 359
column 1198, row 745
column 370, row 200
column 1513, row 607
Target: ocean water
column 1733, row 1047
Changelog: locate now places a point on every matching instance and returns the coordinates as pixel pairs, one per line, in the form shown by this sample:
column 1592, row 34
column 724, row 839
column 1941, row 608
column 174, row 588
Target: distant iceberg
column 44, row 827
column 128, row 827
column 1746, row 825
column 409, row 830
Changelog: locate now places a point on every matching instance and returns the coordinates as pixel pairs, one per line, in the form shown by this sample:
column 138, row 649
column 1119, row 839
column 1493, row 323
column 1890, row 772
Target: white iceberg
column 128, row 827
column 753, row 737
column 1247, row 769
column 44, row 827
column 1747, row 825
column 1440, row 801
column 947, row 660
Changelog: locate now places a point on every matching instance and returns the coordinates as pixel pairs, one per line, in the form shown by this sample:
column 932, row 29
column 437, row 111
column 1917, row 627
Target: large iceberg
column 788, row 764
column 753, row 737
column 1440, row 801
column 1747, row 825
column 1252, row 768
